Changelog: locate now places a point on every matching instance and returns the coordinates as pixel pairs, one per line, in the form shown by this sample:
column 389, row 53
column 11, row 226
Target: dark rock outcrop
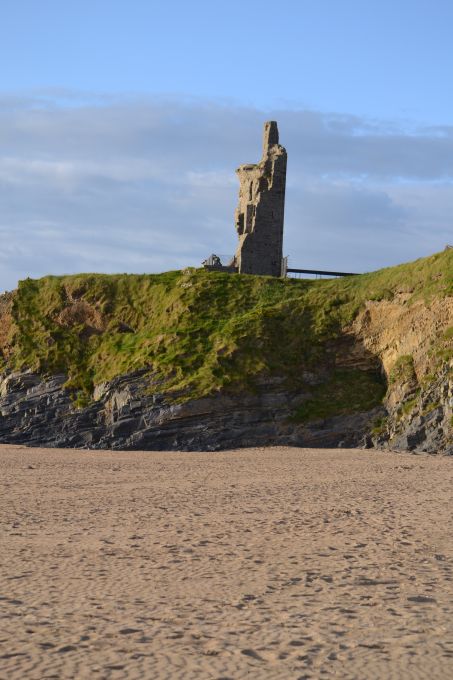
column 419, row 417
column 128, row 415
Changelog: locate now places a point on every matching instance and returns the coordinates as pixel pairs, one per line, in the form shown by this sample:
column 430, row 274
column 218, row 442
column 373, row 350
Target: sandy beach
column 259, row 563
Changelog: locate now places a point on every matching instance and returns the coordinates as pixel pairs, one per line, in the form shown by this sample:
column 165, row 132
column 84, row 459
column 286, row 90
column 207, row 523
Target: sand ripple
column 263, row 563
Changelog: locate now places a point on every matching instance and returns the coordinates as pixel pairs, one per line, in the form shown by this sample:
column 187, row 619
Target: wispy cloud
column 114, row 184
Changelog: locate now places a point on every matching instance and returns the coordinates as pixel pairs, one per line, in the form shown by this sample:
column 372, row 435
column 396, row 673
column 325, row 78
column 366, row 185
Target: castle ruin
column 260, row 212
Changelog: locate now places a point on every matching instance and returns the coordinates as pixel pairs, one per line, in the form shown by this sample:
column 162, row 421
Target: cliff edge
column 206, row 360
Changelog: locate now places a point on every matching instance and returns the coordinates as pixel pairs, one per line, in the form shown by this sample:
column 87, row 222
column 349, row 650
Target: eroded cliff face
column 6, row 320
column 39, row 412
column 189, row 360
column 414, row 344
column 134, row 411
column 391, row 329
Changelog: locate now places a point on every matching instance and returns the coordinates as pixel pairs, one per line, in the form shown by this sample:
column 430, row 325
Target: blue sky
column 369, row 57
column 122, row 123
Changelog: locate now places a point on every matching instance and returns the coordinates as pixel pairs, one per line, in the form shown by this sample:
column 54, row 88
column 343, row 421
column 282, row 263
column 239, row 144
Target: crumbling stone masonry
column 259, row 215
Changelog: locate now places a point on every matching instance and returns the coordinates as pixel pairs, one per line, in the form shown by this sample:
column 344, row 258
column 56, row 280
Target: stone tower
column 259, row 215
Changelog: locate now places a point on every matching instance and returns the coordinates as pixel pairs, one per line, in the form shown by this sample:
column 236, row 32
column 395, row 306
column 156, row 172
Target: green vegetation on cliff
column 199, row 331
column 345, row 392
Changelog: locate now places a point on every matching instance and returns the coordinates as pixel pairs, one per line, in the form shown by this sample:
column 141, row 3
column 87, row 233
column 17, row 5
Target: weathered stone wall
column 260, row 213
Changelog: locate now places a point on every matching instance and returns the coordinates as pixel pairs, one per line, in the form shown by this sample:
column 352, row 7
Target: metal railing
column 221, row 261
column 318, row 273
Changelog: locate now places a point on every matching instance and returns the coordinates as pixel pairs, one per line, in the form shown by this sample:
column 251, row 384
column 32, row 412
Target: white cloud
column 111, row 184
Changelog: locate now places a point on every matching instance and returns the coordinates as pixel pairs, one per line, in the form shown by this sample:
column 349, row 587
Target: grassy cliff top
column 198, row 330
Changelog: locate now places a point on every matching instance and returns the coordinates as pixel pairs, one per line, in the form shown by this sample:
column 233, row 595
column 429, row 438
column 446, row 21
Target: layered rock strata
column 125, row 415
